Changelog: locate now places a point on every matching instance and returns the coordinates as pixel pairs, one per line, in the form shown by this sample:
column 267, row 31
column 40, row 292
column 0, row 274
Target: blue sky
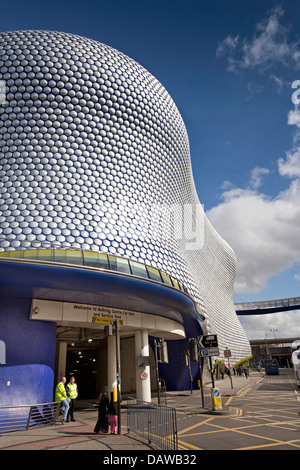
column 229, row 67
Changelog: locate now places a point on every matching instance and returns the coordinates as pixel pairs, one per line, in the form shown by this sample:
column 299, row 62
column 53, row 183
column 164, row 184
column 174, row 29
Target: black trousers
column 71, row 410
column 102, row 422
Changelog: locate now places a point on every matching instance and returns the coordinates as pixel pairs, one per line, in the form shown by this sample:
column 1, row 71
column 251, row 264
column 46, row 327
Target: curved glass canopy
column 92, row 259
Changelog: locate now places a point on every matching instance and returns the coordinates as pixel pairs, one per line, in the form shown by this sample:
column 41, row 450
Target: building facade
column 100, row 221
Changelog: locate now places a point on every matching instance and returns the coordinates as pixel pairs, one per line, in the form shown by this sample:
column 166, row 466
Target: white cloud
column 263, row 232
column 287, row 324
column 256, row 176
column 291, row 165
column 294, row 117
column 280, row 82
column 269, row 46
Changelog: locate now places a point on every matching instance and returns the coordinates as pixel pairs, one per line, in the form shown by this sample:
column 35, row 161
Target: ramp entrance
column 85, row 358
column 82, row 364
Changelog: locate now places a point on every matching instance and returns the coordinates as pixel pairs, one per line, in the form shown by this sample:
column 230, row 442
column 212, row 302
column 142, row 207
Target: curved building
column 99, row 220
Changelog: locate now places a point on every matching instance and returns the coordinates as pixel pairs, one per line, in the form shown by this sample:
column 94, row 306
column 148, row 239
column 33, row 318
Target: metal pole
column 157, row 376
column 201, row 382
column 190, row 370
column 211, row 372
column 230, row 374
column 118, row 375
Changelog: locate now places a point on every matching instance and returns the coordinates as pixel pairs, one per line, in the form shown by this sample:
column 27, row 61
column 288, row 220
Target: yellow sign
column 105, row 321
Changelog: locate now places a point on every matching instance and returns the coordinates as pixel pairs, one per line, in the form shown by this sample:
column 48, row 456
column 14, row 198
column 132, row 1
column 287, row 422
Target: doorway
column 82, row 364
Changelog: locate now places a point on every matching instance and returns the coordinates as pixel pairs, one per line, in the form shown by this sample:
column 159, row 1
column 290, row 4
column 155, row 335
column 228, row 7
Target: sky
column 233, row 70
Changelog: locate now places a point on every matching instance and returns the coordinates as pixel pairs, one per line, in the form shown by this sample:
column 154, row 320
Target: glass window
column 119, row 264
column 97, row 260
column 74, row 257
column 60, row 256
column 154, row 274
column 7, row 254
column 175, row 283
column 180, row 285
column 166, row 279
column 138, row 269
column 30, row 254
column 46, row 255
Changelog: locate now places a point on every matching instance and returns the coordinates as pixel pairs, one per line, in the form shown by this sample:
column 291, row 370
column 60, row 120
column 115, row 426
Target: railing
column 24, row 417
column 155, row 423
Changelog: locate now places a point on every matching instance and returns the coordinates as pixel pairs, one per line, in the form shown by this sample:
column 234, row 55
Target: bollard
column 216, row 399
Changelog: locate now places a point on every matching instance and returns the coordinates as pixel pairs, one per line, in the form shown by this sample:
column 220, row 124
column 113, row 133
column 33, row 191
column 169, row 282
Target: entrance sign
column 98, row 316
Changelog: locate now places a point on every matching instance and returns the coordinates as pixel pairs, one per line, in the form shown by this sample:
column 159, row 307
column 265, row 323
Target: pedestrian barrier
column 24, row 417
column 155, row 423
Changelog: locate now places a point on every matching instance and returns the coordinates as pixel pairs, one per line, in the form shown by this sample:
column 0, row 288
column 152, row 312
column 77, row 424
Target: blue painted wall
column 28, row 375
column 176, row 374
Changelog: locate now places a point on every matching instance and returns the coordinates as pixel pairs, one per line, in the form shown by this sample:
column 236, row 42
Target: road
column 264, row 416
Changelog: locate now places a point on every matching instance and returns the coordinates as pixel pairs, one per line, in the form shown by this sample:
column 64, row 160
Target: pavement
column 79, row 435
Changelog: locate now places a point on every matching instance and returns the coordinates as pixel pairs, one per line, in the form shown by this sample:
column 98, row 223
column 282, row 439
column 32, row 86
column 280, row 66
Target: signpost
column 227, row 353
column 161, row 355
column 208, row 346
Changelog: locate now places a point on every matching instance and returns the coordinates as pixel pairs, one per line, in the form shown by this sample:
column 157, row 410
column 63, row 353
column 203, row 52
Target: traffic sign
column 209, row 352
column 227, row 353
column 207, row 341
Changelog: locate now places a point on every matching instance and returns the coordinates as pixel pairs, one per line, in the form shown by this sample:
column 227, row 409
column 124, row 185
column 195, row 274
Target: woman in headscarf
column 103, row 401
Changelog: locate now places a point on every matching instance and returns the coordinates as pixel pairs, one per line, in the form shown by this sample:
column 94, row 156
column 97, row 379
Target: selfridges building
column 99, row 210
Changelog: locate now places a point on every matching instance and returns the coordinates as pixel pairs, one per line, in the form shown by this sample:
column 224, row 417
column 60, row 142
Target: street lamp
column 274, row 333
column 268, row 349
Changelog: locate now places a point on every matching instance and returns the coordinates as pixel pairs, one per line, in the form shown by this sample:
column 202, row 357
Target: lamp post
column 274, row 331
column 268, row 347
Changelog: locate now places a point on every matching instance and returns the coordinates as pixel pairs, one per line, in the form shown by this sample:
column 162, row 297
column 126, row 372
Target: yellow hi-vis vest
column 60, row 392
column 72, row 390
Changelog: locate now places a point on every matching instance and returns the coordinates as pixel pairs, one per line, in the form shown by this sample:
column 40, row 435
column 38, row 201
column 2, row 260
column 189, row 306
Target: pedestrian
column 61, row 397
column 246, row 372
column 103, row 403
column 113, row 415
column 72, row 393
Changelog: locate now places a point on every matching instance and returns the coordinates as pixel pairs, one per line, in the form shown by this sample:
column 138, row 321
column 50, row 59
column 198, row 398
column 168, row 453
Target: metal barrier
column 155, row 423
column 24, row 417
